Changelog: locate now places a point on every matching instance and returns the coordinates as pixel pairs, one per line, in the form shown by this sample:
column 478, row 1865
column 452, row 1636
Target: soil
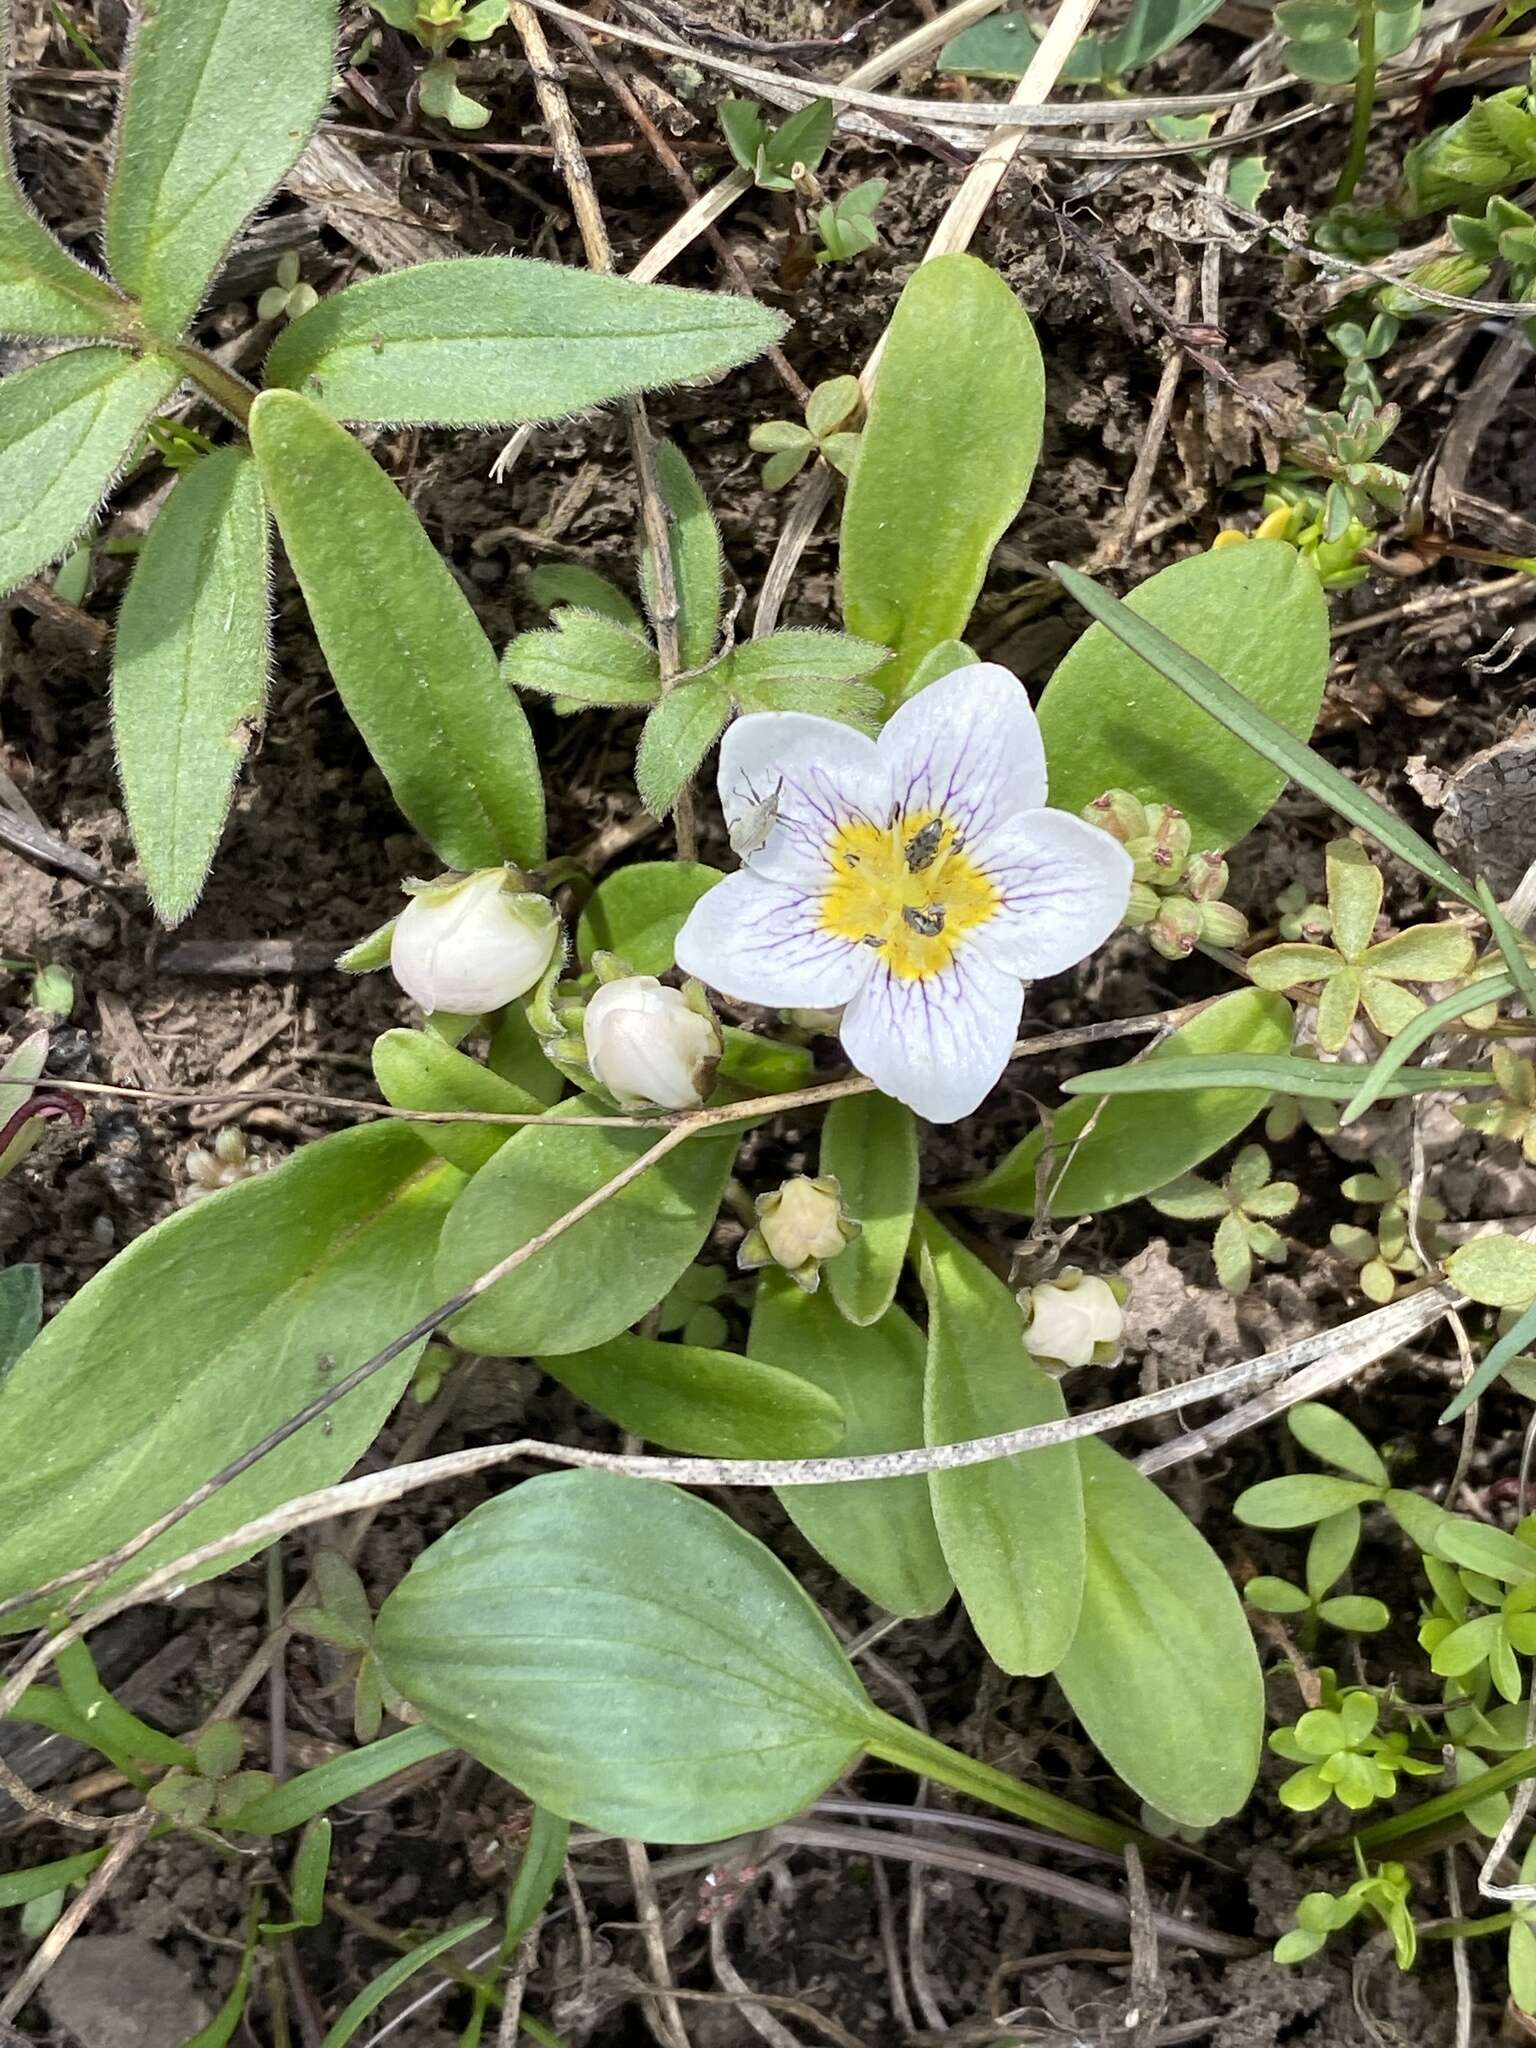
column 243, row 998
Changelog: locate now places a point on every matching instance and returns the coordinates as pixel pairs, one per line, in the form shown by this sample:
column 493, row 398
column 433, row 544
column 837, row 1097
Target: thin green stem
column 1468, row 1930
column 1401, row 1831
column 230, row 393
column 897, row 1743
column 1365, row 106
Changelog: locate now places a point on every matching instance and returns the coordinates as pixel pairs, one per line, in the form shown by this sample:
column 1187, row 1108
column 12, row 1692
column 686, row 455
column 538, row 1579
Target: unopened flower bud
column 1205, row 878
column 1077, row 1319
column 1222, row 924
column 1175, row 931
column 648, row 1044
column 1141, row 907
column 472, row 943
column 1171, row 838
column 1118, row 813
column 799, row 1226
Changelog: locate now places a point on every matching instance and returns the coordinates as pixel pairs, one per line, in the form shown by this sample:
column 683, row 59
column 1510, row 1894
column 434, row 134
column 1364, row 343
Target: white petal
column 936, row 1044
column 763, row 942
column 969, row 746
column 1064, row 884
column 819, row 772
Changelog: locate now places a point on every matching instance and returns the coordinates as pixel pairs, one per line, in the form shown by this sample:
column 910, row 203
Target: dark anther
column 929, row 922
column 923, row 846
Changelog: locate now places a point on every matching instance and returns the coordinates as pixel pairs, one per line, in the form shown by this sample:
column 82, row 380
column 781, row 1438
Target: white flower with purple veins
column 916, row 879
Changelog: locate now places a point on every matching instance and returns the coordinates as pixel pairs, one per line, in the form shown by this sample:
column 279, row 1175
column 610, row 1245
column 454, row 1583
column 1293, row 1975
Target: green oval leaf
column 1012, row 1530
column 1135, row 1145
column 869, row 1144
column 1300, row 1499
column 954, row 428
column 879, row 1533
column 189, row 672
column 1255, row 613
column 1003, row 46
column 418, row 1070
column 714, row 1404
column 584, row 657
column 491, row 340
column 1498, row 1271
column 44, row 292
column 601, row 1275
column 220, row 100
column 67, row 429
column 639, row 911
column 1162, row 1671
column 280, row 1284
column 1479, row 1548
column 414, row 669
column 628, row 1656
column 1335, row 1440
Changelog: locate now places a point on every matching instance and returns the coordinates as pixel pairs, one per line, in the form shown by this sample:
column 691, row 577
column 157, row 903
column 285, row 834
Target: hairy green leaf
column 1109, row 720
column 1134, row 1144
column 67, row 429
column 279, row 1284
column 419, row 1070
column 1498, row 1271
column 869, row 1143
column 1012, row 1530
column 491, row 340
column 698, row 566
column 189, row 672
column 600, row 1276
column 878, row 1533
column 44, row 292
column 1162, row 1671
column 628, row 1656
column 585, row 658
column 714, row 1404
column 944, row 463
column 220, row 100
column 637, row 912
column 560, row 583
column 677, row 736
column 412, row 665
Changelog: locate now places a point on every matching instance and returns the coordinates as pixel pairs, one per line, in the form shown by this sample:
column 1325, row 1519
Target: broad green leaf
column 600, row 1276
column 558, row 583
column 944, row 463
column 1254, row 723
column 279, row 1285
column 1498, row 1271
column 1004, row 45
column 1258, row 615
column 21, row 1312
column 1276, row 1596
column 714, row 1404
column 698, row 566
column 1478, row 1547
column 1012, row 1530
column 1300, row 1499
column 44, row 292
column 419, row 1070
column 388, row 1981
column 1162, row 1671
column 1334, row 1439
column 639, row 911
column 763, row 1066
column 189, row 672
column 806, row 656
column 298, row 1800
column 627, row 1656
column 491, row 340
column 587, row 658
column 677, row 736
column 221, row 98
column 412, row 665
column 68, row 427
column 1135, row 1145
column 869, row 1143
column 879, row 1533
column 517, row 1055
column 1317, row 1080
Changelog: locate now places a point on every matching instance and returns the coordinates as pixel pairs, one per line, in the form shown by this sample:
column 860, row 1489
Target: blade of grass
column 1413, row 1034
column 1214, row 694
column 1522, row 973
column 1514, row 1340
column 1312, row 1079
column 373, row 1995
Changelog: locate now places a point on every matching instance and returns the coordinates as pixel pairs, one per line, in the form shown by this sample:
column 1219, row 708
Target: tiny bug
column 750, row 832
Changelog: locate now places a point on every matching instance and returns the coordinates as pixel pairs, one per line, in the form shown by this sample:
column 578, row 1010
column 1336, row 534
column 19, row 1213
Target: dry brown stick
column 666, row 2020
column 556, row 109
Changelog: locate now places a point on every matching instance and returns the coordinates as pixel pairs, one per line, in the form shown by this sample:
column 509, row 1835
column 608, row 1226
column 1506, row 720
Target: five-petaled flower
column 916, row 879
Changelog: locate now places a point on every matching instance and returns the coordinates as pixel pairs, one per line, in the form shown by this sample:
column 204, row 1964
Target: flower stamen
column 906, row 890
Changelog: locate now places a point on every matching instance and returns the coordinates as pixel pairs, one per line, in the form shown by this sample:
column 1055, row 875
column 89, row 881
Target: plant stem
column 1365, row 106
column 1402, row 1830
column 897, row 1743
column 1468, row 1930
column 229, row 393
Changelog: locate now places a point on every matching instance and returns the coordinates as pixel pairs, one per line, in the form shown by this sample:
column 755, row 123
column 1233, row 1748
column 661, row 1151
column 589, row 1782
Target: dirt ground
column 853, row 1947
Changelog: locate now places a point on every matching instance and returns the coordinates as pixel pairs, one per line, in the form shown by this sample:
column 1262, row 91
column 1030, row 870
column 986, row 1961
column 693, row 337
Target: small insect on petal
column 750, row 832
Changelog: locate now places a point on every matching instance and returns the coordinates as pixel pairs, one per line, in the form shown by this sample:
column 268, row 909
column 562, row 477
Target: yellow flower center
column 907, row 890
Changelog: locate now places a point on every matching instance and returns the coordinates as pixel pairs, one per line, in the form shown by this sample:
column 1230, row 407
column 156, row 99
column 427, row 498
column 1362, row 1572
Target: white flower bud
column 472, row 944
column 1067, row 1324
column 649, row 1046
column 798, row 1226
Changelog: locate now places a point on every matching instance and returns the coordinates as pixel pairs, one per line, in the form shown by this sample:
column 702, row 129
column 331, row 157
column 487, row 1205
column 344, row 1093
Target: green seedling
column 1248, row 1204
